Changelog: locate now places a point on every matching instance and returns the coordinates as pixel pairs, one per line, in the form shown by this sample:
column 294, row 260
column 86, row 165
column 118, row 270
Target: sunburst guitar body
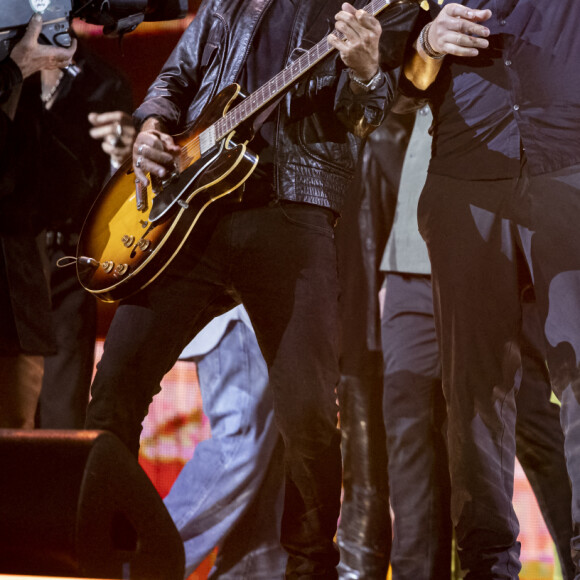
column 122, row 249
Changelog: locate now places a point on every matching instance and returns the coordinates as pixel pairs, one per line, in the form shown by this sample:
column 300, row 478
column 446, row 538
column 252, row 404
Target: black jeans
column 415, row 421
column 67, row 373
column 488, row 242
column 280, row 262
column 414, row 413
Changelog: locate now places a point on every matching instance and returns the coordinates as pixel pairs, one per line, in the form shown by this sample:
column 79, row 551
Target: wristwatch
column 368, row 86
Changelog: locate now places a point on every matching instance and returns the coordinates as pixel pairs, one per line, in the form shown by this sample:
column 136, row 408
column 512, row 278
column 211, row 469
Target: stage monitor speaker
column 77, row 503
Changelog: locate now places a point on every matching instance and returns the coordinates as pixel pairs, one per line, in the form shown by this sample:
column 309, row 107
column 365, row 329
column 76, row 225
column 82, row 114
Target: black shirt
column 67, row 166
column 267, row 57
column 10, row 76
column 522, row 93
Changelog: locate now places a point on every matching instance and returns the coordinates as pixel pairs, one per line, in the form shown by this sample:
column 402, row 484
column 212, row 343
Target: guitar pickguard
column 212, row 171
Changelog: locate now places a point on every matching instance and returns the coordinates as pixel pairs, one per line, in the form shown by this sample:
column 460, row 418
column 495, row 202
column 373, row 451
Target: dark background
column 141, row 53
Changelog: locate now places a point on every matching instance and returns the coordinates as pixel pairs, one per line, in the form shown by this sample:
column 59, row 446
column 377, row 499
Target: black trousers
column 490, row 242
column 280, row 262
column 67, row 373
column 415, row 423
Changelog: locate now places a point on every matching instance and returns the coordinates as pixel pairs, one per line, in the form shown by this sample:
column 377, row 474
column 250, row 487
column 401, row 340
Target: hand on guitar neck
column 356, row 38
column 154, row 152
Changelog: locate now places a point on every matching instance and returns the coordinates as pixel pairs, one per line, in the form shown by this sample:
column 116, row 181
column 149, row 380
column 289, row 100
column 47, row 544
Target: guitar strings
column 240, row 113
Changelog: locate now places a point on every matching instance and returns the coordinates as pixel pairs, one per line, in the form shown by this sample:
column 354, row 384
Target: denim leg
column 150, row 330
column 281, row 263
column 226, row 476
column 252, row 549
column 414, row 414
column 570, row 418
column 286, row 273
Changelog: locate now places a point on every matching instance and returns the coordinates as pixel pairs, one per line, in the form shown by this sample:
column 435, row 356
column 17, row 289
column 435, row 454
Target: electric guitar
column 122, row 249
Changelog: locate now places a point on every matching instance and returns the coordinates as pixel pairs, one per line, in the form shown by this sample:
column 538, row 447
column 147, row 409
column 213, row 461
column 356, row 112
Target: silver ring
column 140, row 150
column 118, row 137
column 139, row 161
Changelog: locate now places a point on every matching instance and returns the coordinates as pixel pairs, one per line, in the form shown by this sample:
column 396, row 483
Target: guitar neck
column 277, row 85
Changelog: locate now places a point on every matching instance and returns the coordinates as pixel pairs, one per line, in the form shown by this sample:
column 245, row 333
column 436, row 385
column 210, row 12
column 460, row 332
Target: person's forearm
column 420, row 68
column 456, row 31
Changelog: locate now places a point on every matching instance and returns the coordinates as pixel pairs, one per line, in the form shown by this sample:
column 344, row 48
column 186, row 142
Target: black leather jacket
column 320, row 124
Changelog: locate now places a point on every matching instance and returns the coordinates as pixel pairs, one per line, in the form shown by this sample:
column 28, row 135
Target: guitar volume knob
column 128, row 241
column 121, row 269
column 108, row 266
column 143, row 244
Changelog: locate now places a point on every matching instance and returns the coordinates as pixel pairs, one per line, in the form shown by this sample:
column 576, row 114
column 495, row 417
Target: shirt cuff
column 354, row 106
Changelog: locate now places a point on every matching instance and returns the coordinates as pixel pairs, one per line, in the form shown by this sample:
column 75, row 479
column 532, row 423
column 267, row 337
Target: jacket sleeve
column 170, row 95
column 363, row 113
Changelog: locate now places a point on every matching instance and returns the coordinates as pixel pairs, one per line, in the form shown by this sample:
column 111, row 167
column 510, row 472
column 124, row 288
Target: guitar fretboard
column 276, row 86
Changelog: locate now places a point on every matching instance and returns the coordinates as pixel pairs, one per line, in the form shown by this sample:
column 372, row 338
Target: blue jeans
column 415, row 417
column 280, row 262
column 231, row 493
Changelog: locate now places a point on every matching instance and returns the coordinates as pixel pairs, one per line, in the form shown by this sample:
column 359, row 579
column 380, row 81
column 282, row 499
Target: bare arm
column 457, row 31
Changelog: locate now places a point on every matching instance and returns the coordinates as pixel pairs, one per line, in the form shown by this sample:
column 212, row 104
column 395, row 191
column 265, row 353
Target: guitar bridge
column 171, row 178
